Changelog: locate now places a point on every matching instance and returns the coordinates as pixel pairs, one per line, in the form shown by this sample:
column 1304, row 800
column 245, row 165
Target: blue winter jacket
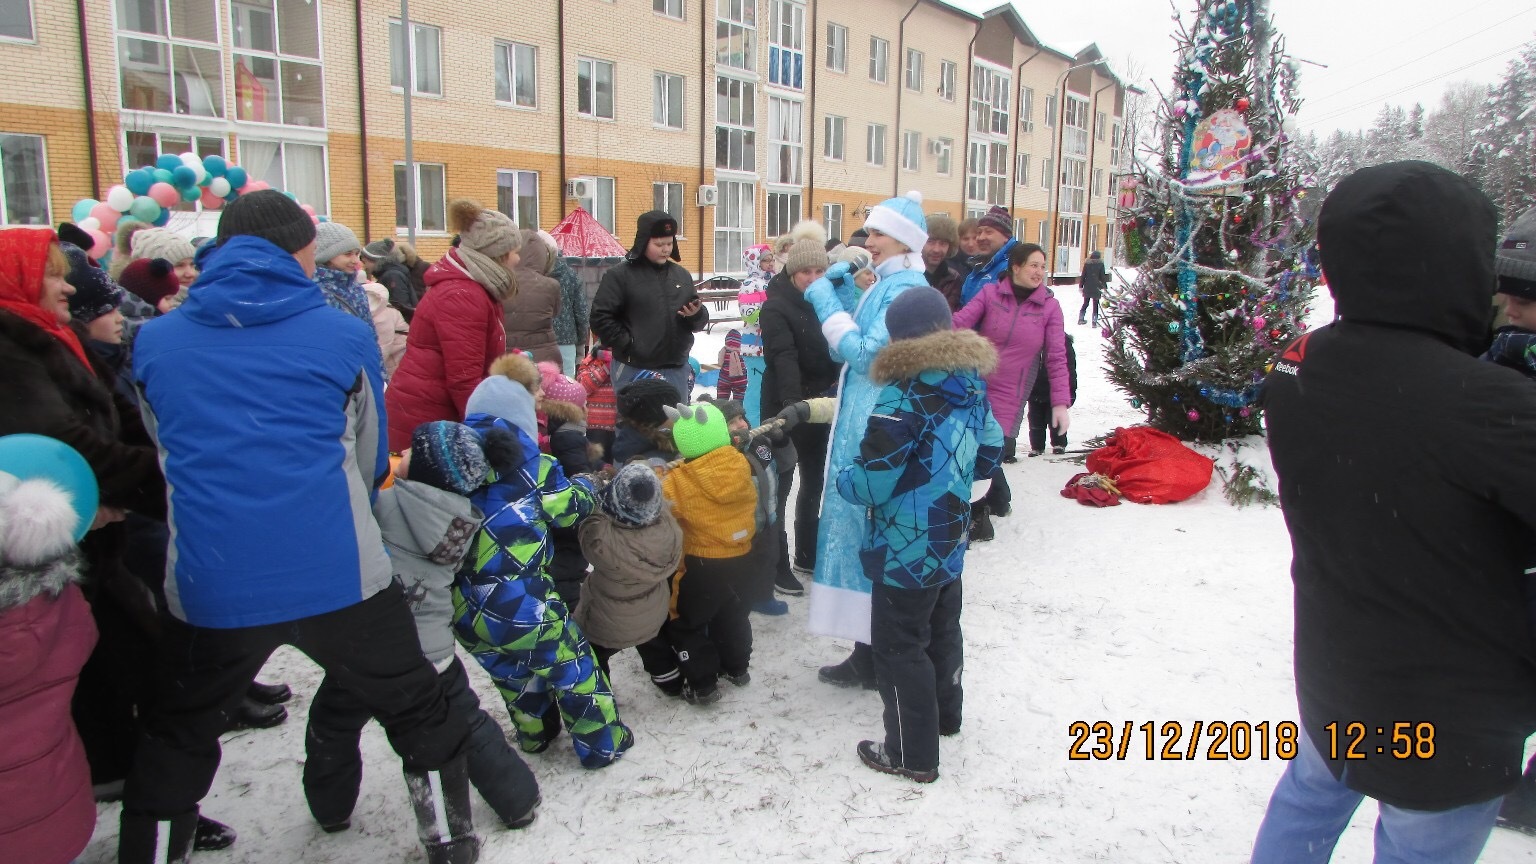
column 930, row 436
column 993, row 271
column 268, row 409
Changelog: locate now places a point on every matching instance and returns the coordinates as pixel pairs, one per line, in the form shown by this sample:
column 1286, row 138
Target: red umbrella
column 580, row 236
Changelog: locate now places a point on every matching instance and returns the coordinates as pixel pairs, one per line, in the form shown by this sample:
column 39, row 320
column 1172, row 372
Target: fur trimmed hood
column 38, row 554
column 564, row 411
column 519, row 368
column 943, row 351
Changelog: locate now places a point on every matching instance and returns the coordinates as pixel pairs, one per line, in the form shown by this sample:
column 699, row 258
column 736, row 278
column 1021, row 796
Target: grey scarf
column 496, row 279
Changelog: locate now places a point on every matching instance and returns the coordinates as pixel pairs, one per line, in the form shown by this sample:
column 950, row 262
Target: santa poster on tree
column 1224, row 276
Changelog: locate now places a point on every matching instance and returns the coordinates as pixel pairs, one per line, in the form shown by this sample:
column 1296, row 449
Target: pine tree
column 1225, row 282
column 1503, row 160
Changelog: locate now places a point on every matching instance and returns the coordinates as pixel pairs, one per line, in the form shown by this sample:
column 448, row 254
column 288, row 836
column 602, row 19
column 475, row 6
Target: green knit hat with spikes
column 698, row 429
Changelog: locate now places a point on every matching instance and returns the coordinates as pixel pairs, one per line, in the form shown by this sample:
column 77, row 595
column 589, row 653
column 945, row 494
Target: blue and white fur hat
column 901, row 218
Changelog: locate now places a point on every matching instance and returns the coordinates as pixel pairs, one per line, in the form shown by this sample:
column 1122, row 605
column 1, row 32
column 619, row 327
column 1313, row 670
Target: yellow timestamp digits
column 1166, row 741
column 1397, row 741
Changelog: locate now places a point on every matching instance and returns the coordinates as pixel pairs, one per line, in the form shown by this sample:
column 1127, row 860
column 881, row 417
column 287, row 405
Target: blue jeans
column 1310, row 809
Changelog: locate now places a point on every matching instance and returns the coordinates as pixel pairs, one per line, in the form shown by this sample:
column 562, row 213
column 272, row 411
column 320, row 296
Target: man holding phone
column 647, row 311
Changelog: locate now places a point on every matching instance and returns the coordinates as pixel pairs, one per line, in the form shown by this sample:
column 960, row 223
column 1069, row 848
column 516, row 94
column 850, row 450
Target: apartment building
column 739, row 117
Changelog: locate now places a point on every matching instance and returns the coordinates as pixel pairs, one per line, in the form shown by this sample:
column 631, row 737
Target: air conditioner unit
column 579, row 187
column 936, row 147
column 1027, row 125
column 709, row 196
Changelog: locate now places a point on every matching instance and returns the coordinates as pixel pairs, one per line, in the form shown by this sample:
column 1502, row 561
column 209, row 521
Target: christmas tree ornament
column 1193, row 415
column 1241, row 104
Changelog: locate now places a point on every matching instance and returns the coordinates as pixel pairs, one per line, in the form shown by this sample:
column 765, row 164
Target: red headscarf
column 23, row 260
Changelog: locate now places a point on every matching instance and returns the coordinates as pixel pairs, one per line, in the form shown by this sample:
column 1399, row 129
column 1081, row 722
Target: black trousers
column 711, row 633
column 811, row 443
column 369, row 649
column 919, row 654
column 1089, row 299
column 1040, row 421
column 333, row 762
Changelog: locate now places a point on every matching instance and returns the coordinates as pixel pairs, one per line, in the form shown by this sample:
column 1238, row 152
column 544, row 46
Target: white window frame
column 990, row 89
column 737, row 19
column 1073, row 197
column 31, row 37
column 442, row 202
column 668, row 196
column 5, row 208
column 1020, row 226
column 874, row 145
column 834, row 139
column 506, row 54
column 786, row 43
column 418, row 29
column 665, row 8
column 742, row 128
column 521, row 178
column 911, row 150
column 879, row 59
column 837, row 48
column 664, row 85
column 1100, row 121
column 786, row 140
column 1027, row 109
column 1047, row 169
column 594, row 65
column 1050, row 109
column 949, row 70
column 1074, row 134
column 1043, row 234
column 735, row 226
column 832, row 215
column 1097, row 188
column 783, row 208
column 912, row 70
column 1115, row 142
column 944, row 160
column 603, row 212
column 1093, row 237
column 1021, row 170
column 168, row 43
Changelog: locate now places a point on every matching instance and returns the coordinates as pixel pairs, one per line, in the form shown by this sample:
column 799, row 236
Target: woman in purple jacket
column 1020, row 316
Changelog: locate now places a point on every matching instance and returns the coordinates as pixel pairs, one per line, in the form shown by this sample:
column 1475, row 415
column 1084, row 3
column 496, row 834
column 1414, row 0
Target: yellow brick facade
column 473, row 135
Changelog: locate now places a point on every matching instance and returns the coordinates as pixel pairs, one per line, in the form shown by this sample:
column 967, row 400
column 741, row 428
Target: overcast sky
column 1400, row 53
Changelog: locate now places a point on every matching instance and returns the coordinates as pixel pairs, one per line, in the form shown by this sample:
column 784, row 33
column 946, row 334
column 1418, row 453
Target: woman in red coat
column 457, row 330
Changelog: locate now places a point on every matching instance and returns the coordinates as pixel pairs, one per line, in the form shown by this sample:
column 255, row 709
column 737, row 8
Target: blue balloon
column 165, row 216
column 139, row 180
column 215, row 165
column 168, row 161
column 162, row 175
column 183, row 177
column 236, row 177
column 82, row 209
column 191, row 193
column 29, row 457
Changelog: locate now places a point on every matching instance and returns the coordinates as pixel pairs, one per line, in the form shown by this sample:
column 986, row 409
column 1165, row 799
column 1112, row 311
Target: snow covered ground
column 1132, row 613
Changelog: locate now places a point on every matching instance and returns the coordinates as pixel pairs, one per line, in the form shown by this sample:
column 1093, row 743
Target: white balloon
column 219, row 186
column 90, row 223
column 120, row 198
column 190, row 160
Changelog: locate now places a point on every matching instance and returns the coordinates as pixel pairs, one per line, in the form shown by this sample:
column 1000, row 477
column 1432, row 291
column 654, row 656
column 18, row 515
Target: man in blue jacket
column 267, row 407
column 994, row 237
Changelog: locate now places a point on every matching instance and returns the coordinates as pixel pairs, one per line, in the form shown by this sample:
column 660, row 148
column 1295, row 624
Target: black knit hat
column 270, row 215
column 917, row 311
column 95, row 292
column 69, row 232
column 641, row 401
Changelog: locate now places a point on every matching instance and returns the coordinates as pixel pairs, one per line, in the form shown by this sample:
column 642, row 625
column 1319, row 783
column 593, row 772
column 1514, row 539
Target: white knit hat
column 901, row 218
column 161, row 243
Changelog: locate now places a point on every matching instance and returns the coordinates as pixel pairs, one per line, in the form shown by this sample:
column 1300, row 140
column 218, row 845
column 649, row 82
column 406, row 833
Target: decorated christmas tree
column 1225, row 258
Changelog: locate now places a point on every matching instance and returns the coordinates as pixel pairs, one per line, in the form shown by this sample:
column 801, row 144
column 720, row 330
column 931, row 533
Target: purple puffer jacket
column 1019, row 331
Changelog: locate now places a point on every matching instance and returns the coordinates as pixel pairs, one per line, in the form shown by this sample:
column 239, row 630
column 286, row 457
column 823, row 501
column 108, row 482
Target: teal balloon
column 215, row 165
column 162, row 175
column 236, row 176
column 183, row 177
column 162, row 219
column 191, row 193
column 82, row 209
column 139, row 180
column 144, row 209
column 37, row 457
column 168, row 161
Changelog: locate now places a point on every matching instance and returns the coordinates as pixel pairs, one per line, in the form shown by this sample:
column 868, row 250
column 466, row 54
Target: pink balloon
column 106, row 216
column 210, row 200
column 315, row 219
column 259, row 185
column 307, row 209
column 101, row 243
column 164, row 194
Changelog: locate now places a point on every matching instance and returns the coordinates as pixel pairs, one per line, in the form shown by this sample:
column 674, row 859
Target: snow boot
column 741, row 680
column 255, row 715
column 268, row 694
column 856, row 671
column 771, row 607
column 981, row 522
column 788, row 585
column 443, row 822
column 1081, row 322
column 1057, row 451
column 703, row 696
column 212, row 836
column 874, row 756
column 526, row 819
column 1034, row 453
column 144, row 839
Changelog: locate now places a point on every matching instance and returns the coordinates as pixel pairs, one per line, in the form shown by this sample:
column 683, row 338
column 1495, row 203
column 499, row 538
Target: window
column 1050, row 110
column 914, row 70
column 1027, row 109
column 734, row 229
column 169, row 59
column 1043, row 234
column 517, row 67
column 1074, row 140
column 1098, row 125
column 23, row 180
column 143, row 148
column 427, row 46
column 874, row 144
column 943, row 154
column 594, row 88
column 1021, row 173
column 832, row 140
column 16, row 20
column 736, row 33
column 295, row 168
column 669, row 8
column 879, row 57
column 989, row 100
column 1114, row 146
column 1093, row 238
column 1098, row 181
column 1069, row 234
column 668, row 197
column 786, row 43
column 431, row 198
column 1020, row 225
column 911, row 151
column 947, row 71
column 786, row 135
column 667, row 100
column 517, row 195
column 1074, row 185
column 1045, row 174
column 837, row 48
column 783, row 212
column 735, row 119
column 832, row 217
column 601, row 207
column 987, row 172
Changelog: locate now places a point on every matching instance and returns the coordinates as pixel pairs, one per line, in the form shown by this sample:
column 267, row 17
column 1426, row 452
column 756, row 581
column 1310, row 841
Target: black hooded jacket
column 798, row 364
column 635, row 309
column 1407, row 472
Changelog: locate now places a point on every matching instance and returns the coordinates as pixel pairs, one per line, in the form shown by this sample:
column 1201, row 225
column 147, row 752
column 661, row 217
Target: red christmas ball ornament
column 1274, row 334
column 1237, row 218
column 1242, row 103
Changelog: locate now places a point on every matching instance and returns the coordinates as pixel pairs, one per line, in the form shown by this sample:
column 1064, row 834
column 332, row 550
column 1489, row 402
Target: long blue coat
column 840, row 592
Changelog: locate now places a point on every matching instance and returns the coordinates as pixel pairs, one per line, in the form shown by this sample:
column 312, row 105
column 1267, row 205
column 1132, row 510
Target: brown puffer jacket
column 625, row 599
column 530, row 316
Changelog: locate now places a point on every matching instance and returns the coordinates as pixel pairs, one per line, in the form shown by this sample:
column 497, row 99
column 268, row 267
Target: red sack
column 1092, row 490
column 1151, row 467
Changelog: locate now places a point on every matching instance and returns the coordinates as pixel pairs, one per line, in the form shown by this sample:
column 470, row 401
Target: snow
column 1131, row 613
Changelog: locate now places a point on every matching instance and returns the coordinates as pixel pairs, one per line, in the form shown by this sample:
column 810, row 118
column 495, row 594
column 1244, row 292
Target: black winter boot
column 981, row 523
column 144, row 839
column 268, row 694
column 441, row 801
column 856, row 671
column 212, row 836
column 255, row 715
